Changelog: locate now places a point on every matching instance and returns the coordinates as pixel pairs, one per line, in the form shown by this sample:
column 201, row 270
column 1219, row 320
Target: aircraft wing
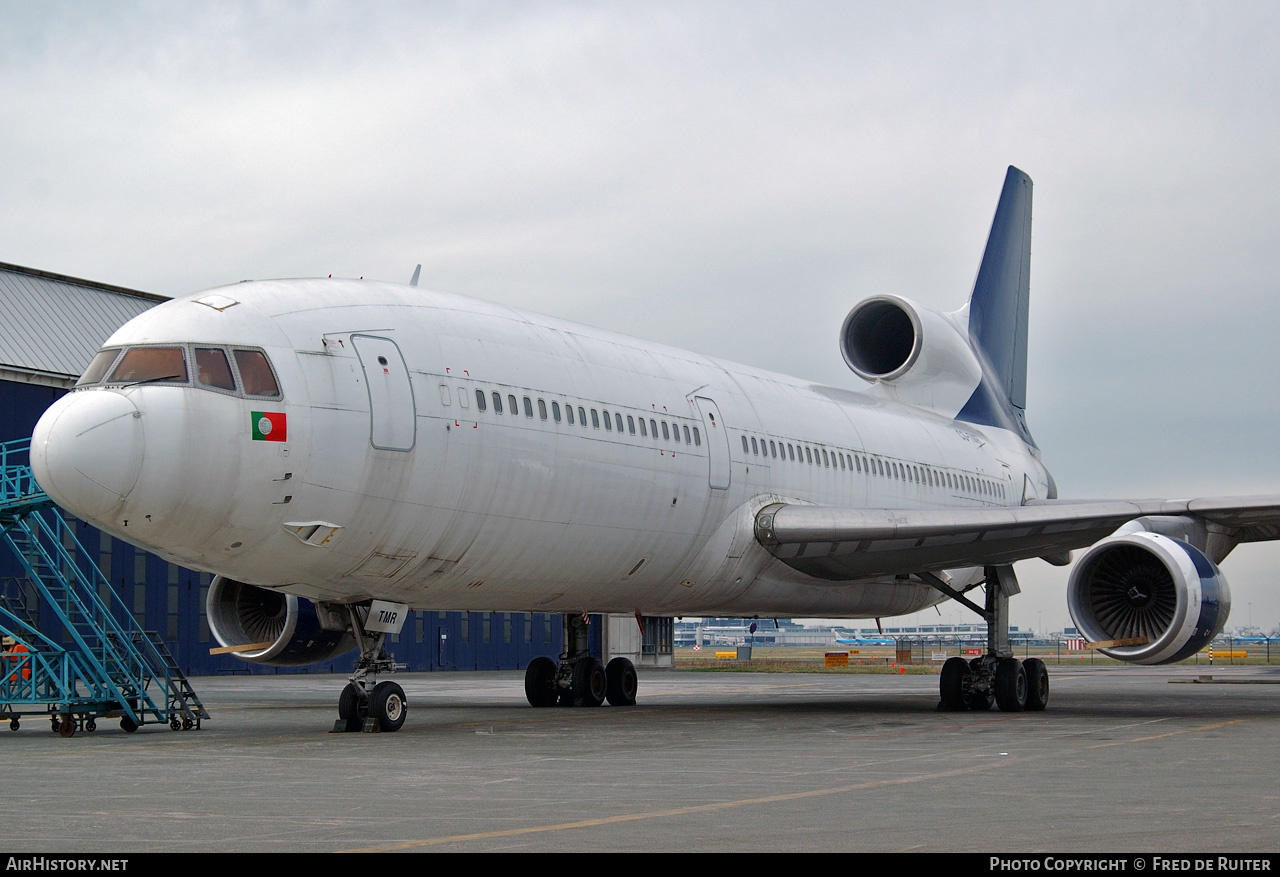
column 842, row 544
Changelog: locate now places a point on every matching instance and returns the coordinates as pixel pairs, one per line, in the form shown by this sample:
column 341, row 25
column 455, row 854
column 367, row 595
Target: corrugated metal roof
column 51, row 325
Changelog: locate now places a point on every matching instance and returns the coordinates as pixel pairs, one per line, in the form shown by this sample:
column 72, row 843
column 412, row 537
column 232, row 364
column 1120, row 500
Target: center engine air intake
column 241, row 614
column 880, row 339
column 910, row 353
column 1148, row 585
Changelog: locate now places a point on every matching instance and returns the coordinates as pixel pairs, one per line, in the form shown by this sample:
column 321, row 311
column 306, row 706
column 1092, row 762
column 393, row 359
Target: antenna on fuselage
column 413, row 281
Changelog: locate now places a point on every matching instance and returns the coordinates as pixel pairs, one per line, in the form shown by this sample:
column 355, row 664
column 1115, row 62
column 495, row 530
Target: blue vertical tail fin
column 998, row 309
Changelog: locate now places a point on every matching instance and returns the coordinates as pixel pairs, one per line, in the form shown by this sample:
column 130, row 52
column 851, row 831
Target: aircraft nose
column 86, row 451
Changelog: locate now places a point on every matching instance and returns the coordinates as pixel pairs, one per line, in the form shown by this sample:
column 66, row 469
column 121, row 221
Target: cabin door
column 717, row 442
column 392, row 424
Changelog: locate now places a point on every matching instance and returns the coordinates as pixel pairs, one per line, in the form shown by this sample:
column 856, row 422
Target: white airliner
column 338, row 452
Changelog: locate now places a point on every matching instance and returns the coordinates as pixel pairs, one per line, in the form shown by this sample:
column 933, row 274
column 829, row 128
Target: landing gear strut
column 365, row 703
column 996, row 677
column 579, row 679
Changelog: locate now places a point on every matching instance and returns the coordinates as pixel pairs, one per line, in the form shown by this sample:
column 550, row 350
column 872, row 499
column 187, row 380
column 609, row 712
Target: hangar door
column 392, row 422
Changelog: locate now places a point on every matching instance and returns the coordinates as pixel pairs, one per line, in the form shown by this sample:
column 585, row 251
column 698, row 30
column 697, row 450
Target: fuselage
column 449, row 453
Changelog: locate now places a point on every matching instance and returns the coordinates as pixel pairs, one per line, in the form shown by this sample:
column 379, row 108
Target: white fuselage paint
column 394, row 485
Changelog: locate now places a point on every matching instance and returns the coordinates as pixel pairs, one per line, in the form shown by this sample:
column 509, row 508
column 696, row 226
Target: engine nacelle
column 1145, row 584
column 240, row 614
column 910, row 352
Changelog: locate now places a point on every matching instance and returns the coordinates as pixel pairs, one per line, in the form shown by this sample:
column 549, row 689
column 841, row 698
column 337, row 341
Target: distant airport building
column 737, row 631
column 53, row 325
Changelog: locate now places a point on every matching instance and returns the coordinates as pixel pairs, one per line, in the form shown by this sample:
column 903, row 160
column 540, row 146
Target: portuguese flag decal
column 269, row 426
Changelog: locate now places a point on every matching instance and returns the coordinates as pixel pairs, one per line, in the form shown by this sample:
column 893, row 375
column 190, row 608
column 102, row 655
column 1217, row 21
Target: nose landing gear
column 366, row 704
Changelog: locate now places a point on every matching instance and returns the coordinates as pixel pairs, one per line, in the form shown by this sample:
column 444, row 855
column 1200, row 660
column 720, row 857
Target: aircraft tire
column 621, row 682
column 588, row 683
column 352, row 708
column 387, row 704
column 1011, row 685
column 1037, row 684
column 540, row 682
column 953, row 685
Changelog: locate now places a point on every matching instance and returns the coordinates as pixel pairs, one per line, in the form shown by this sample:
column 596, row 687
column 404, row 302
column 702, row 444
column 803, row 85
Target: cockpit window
column 101, row 362
column 151, row 365
column 212, row 368
column 256, row 373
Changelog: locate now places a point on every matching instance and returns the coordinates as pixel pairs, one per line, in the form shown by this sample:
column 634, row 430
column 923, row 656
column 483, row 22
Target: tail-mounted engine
column 292, row 629
column 911, row 353
column 1146, row 584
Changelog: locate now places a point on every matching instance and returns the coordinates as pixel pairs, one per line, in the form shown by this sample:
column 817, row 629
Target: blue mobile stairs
column 103, row 665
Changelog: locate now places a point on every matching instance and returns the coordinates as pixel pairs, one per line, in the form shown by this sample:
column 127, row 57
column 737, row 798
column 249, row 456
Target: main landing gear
column 365, row 703
column 579, row 679
column 997, row 677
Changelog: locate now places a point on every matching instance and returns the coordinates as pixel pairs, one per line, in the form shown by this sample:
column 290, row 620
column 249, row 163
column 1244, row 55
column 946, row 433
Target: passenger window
column 480, row 405
column 152, row 365
column 542, row 409
column 697, row 437
column 582, row 416
column 98, row 367
column 808, row 455
column 773, row 449
column 745, row 448
column 791, row 452
column 631, row 424
column 653, row 428
column 568, row 413
column 213, row 369
column 555, row 411
column 513, row 405
column 666, row 433
column 497, row 403
column 595, row 418
column 256, row 373
column 755, row 450
column 462, row 398
column 617, row 419
column 643, row 430
column 446, row 398
column 528, row 406
column 608, row 424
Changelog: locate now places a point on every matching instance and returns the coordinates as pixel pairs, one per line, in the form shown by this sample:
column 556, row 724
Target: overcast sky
column 730, row 177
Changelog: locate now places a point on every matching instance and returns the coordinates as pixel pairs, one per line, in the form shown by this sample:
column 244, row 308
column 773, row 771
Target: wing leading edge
column 843, row 544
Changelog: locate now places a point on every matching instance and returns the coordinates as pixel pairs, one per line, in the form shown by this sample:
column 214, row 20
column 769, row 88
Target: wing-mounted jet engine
column 286, row 631
column 910, row 353
column 1146, row 585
